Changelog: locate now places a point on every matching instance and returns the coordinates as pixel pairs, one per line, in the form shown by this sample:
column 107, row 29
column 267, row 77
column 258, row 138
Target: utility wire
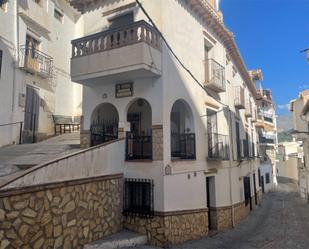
column 174, row 54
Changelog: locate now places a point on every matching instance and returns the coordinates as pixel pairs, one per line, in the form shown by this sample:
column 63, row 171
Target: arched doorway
column 139, row 138
column 182, row 131
column 104, row 124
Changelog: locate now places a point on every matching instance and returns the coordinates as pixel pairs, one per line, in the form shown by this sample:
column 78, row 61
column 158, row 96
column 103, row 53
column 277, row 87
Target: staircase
column 124, row 239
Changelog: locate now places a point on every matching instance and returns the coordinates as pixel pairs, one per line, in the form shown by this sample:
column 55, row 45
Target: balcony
column 239, row 97
column 214, row 76
column 218, row 147
column 36, row 62
column 267, row 138
column 183, row 146
column 126, row 53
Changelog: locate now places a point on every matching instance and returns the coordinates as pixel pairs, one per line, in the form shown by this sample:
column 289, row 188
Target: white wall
column 185, row 36
column 59, row 96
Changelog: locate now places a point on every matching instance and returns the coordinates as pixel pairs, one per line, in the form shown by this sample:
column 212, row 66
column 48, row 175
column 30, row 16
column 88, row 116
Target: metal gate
column 103, row 131
column 32, row 109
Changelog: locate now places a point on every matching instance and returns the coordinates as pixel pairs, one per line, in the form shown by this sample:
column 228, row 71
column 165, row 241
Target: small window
column 120, row 21
column 58, row 15
column 0, row 61
column 4, row 5
column 138, row 198
column 267, row 178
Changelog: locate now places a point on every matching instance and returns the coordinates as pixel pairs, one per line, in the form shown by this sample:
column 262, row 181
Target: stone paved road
column 282, row 222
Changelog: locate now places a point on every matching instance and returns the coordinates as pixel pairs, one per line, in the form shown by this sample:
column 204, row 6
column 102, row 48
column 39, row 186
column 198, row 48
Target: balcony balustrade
column 183, row 146
column 132, row 48
column 36, row 62
column 239, row 97
column 215, row 76
column 218, row 147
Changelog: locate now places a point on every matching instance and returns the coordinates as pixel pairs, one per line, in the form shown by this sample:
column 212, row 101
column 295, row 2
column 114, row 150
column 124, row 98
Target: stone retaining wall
column 171, row 228
column 221, row 217
column 61, row 215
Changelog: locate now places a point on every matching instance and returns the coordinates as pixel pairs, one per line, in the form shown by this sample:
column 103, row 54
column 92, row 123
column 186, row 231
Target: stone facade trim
column 180, row 212
column 48, row 186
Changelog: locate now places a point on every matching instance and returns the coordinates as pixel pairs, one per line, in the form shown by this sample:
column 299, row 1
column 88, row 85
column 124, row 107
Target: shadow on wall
column 9, row 134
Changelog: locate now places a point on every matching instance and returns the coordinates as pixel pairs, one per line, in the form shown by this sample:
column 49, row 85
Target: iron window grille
column 138, row 198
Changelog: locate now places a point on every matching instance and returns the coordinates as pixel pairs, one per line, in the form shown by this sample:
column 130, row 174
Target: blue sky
column 270, row 35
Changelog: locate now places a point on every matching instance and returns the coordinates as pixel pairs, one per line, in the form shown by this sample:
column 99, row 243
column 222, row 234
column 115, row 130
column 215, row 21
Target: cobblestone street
column 282, row 222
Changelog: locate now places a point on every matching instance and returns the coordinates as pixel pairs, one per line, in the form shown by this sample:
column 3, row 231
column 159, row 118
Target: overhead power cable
column 174, row 54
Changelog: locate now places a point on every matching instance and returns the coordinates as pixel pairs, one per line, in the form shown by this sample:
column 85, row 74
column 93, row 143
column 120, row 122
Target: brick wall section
column 63, row 215
column 171, row 228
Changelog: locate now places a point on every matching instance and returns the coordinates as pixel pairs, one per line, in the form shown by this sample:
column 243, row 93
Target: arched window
column 104, row 124
column 182, row 131
column 139, row 139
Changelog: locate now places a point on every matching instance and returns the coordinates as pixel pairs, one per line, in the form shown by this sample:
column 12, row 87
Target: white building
column 290, row 157
column 299, row 107
column 267, row 131
column 144, row 80
column 35, row 81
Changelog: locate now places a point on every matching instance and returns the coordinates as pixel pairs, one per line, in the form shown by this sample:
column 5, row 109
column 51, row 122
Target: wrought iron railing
column 183, row 146
column 138, row 198
column 138, row 147
column 265, row 140
column 102, row 132
column 215, row 74
column 130, row 34
column 218, row 146
column 35, row 61
column 16, row 125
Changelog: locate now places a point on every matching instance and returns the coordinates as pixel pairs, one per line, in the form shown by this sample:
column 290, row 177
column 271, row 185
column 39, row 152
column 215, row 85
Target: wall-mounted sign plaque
column 124, row 90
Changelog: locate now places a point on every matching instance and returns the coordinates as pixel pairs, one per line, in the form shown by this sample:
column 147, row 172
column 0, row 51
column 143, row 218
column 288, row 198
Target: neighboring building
column 267, row 132
column 191, row 155
column 300, row 107
column 35, row 81
column 289, row 161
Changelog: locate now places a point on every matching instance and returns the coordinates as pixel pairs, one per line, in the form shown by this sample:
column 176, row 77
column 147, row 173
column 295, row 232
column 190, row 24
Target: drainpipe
column 230, row 166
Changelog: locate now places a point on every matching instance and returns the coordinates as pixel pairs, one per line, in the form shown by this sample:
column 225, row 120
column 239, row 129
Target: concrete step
column 124, row 239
